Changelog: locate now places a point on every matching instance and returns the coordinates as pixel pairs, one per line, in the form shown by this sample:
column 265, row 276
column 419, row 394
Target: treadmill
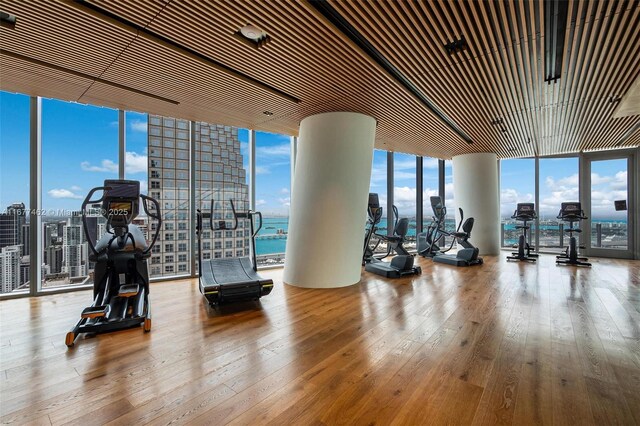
column 231, row 279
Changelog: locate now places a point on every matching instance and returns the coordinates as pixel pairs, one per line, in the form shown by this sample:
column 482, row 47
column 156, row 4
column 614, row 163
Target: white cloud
column 596, row 179
column 510, row 197
column 284, row 191
column 64, row 193
column 430, row 163
column 261, row 170
column 282, row 150
column 135, row 163
column 138, row 125
column 260, row 202
column 107, row 166
column 75, row 188
column 144, row 187
column 286, row 202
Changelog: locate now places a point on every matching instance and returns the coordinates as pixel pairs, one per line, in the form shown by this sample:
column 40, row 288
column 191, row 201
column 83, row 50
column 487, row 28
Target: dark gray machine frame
column 121, row 277
column 401, row 264
column 525, row 212
column 428, row 247
column 571, row 212
column 232, row 279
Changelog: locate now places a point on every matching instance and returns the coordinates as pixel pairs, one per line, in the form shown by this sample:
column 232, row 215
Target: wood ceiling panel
column 35, row 80
column 181, row 59
column 52, row 32
column 501, row 72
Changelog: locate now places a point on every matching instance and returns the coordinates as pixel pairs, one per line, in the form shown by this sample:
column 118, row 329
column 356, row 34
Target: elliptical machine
column 427, row 246
column 571, row 212
column 402, row 263
column 525, row 212
column 121, row 278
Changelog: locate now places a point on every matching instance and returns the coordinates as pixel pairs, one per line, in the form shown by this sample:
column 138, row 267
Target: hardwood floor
column 503, row 343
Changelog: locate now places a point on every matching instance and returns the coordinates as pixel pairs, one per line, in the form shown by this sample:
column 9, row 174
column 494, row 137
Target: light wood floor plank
column 503, row 343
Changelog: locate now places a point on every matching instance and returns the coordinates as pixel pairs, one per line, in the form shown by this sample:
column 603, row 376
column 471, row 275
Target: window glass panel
column 608, row 185
column 168, row 186
column 273, row 186
column 212, row 142
column 14, row 193
column 517, row 185
column 558, row 184
column 404, row 193
column 449, row 200
column 430, row 188
column 79, row 151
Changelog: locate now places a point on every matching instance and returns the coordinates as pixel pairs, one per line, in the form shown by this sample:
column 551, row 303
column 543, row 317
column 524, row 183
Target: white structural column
column 329, row 200
column 475, row 182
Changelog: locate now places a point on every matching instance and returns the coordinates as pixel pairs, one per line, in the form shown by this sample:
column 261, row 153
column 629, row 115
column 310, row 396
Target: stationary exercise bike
column 525, row 212
column 572, row 213
column 121, row 278
column 402, row 262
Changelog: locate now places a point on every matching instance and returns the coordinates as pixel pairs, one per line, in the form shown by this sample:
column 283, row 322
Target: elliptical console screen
column 119, row 208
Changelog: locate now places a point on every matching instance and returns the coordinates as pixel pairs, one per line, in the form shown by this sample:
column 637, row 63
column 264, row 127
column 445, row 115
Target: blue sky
column 80, row 149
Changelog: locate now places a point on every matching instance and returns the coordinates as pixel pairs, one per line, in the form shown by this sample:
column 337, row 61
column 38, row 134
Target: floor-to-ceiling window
column 404, row 193
column 273, row 195
column 449, row 200
column 79, row 151
column 430, row 185
column 15, row 259
column 378, row 185
column 517, row 185
column 558, row 183
column 609, row 204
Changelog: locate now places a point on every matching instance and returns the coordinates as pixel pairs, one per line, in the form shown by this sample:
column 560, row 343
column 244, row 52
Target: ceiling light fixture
column 455, row 46
column 555, row 23
column 269, row 113
column 252, row 35
column 8, row 20
column 614, row 99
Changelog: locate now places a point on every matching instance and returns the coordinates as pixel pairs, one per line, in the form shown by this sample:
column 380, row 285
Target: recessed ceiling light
column 269, row 113
column 511, row 149
column 7, row 20
column 253, row 35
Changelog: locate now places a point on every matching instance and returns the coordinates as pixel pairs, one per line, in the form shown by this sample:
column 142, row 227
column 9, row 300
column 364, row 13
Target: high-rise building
column 24, row 239
column 218, row 170
column 74, row 251
column 50, row 232
column 53, row 255
column 11, row 225
column 10, row 268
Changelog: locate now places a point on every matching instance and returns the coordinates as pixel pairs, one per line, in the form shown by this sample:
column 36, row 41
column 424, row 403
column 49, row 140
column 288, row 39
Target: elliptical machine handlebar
column 155, row 216
column 86, row 202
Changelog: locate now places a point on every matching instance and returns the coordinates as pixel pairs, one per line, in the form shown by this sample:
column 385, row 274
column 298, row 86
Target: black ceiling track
column 105, row 14
column 348, row 30
column 555, row 23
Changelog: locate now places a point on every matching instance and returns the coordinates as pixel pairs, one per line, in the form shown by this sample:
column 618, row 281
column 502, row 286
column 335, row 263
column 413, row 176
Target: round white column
column 329, row 200
column 475, row 182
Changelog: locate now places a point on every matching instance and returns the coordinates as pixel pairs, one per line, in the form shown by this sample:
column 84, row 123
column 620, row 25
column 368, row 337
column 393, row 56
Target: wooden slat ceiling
column 123, row 55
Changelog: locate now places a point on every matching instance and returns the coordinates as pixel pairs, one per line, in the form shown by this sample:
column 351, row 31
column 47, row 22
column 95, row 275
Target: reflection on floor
column 508, row 343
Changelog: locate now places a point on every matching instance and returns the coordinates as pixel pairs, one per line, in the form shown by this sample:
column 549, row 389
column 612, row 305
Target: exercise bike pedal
column 128, row 290
column 95, row 311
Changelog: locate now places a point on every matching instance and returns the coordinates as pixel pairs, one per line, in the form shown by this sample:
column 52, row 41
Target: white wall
column 329, row 200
